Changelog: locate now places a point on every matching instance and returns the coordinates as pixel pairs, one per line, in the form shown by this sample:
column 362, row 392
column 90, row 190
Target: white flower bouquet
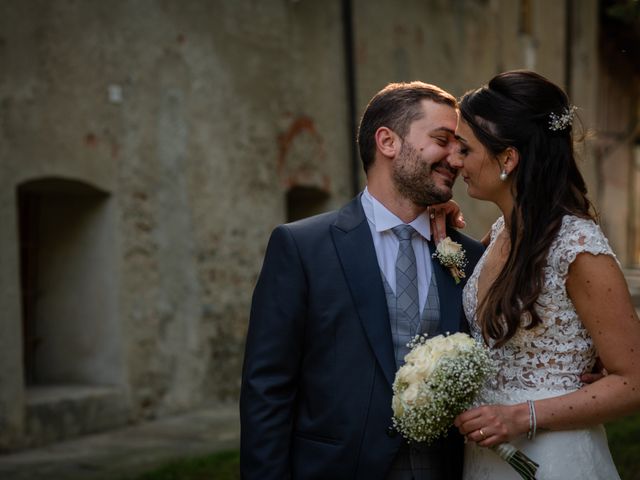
column 440, row 379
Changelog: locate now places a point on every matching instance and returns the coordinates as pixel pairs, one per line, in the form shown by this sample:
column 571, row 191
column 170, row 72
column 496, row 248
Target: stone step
column 128, row 451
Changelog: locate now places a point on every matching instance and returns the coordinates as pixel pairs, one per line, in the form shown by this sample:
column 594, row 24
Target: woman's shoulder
column 575, row 222
column 579, row 231
column 578, row 235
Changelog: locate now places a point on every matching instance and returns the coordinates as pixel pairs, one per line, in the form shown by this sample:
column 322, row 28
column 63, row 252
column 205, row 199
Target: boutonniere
column 451, row 255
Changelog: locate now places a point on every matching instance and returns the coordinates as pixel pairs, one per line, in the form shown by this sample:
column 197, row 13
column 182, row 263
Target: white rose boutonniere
column 451, row 255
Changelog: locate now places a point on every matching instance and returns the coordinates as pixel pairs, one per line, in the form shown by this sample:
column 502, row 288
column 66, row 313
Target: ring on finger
column 482, row 434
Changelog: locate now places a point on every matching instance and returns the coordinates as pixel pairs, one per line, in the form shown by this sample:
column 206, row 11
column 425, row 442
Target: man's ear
column 511, row 159
column 387, row 142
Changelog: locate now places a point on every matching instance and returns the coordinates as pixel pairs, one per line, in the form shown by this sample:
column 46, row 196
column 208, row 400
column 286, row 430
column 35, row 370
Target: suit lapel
column 450, row 295
column 353, row 242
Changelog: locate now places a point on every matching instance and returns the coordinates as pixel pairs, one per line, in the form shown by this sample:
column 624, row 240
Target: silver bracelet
column 531, row 434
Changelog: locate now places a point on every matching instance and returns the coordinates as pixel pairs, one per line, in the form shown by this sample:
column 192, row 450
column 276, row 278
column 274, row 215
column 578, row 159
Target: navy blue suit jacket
column 318, row 368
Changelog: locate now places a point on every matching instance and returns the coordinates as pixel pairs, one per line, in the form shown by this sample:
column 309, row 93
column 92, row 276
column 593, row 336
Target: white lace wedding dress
column 544, row 362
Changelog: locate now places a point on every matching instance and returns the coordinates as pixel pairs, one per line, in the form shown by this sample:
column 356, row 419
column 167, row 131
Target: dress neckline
column 472, row 284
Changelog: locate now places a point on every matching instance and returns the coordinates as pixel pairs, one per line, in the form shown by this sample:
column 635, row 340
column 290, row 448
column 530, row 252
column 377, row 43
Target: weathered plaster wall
column 460, row 45
column 196, row 117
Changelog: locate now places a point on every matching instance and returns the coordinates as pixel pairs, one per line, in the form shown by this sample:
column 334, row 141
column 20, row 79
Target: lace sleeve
column 577, row 235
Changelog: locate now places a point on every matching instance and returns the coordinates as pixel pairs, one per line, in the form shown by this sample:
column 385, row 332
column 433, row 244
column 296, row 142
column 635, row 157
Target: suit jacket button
column 391, row 432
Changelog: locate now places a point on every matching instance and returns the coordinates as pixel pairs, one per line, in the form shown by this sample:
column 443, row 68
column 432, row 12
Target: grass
column 624, row 442
column 623, row 434
column 218, row 466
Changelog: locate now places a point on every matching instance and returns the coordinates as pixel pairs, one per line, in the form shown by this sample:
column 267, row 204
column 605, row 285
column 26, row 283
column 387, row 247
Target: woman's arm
column 601, row 298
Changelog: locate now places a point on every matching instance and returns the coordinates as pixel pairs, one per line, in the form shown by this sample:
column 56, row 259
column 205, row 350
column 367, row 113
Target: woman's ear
column 387, row 142
column 510, row 159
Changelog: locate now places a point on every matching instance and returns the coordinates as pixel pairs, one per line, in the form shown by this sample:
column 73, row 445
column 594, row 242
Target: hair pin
column 560, row 122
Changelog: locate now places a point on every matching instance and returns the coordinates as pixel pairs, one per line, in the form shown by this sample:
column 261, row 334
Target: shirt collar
column 382, row 219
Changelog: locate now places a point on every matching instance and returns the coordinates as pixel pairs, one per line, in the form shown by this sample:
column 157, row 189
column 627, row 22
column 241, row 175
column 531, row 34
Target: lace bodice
column 552, row 356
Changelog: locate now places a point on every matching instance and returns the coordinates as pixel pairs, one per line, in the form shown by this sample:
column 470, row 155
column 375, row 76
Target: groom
column 339, row 296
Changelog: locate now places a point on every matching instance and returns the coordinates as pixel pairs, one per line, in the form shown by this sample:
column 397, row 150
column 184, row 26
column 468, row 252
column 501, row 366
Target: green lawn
column 219, row 466
column 624, row 440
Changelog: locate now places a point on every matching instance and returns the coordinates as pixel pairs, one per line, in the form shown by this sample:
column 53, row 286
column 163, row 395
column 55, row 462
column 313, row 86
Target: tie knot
column 403, row 232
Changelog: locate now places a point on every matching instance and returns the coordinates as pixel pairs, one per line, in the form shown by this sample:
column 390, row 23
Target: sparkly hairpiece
column 560, row 122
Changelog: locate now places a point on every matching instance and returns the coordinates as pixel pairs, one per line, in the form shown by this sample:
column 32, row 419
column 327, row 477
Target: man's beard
column 412, row 178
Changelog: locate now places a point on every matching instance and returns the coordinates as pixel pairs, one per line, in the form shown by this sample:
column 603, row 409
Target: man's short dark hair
column 396, row 106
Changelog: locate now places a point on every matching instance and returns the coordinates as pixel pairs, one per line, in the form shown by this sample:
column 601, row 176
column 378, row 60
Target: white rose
column 440, row 355
column 408, row 374
column 463, row 340
column 421, row 351
column 416, row 352
column 424, row 364
column 423, row 367
column 410, row 395
column 449, row 247
column 453, row 346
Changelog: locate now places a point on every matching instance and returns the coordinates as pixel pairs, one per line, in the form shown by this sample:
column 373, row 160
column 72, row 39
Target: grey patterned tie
column 407, row 281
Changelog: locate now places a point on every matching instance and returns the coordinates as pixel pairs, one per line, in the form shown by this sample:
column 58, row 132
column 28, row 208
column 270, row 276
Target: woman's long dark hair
column 513, row 110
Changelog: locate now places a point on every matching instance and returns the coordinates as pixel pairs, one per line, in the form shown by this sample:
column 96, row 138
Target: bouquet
column 440, row 379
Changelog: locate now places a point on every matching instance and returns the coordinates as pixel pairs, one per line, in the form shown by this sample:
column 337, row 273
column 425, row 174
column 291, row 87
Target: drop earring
column 503, row 175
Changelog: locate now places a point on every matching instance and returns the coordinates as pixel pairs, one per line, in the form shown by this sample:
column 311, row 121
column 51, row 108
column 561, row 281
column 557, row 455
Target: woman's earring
column 503, row 175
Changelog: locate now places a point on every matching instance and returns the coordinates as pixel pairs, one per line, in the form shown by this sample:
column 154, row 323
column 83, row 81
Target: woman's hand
column 491, row 425
column 444, row 213
column 595, row 374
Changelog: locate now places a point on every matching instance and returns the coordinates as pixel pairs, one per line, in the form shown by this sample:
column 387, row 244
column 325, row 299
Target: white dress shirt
column 381, row 221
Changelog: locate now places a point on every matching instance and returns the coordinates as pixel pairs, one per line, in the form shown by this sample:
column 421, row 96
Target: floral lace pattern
column 552, row 356
column 544, row 362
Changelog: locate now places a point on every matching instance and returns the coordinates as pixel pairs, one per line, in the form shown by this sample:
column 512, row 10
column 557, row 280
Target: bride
column 548, row 295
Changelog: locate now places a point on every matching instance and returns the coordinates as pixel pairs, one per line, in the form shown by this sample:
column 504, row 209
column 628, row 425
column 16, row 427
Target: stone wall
column 194, row 119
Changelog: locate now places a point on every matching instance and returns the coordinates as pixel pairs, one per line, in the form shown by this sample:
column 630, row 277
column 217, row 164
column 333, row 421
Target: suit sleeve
column 273, row 355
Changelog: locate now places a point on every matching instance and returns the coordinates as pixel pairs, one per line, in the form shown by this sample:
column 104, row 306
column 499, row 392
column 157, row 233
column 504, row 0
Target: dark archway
column 304, row 202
